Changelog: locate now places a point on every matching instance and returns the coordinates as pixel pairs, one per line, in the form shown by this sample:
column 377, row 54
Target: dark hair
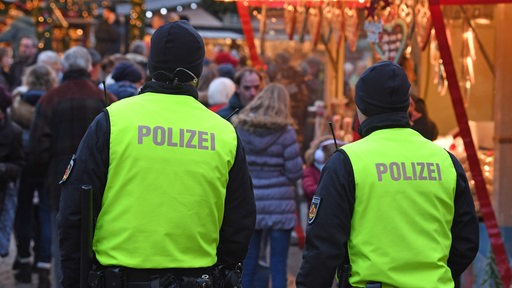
column 111, row 7
column 245, row 71
column 95, row 56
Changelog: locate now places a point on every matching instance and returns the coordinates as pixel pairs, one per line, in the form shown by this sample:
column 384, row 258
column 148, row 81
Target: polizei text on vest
column 176, row 137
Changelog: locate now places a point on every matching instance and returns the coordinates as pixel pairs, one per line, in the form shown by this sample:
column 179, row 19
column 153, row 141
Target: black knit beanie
column 176, row 45
column 127, row 71
column 382, row 88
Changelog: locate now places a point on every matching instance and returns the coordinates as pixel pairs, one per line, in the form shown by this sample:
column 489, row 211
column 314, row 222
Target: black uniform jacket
column 91, row 167
column 327, row 236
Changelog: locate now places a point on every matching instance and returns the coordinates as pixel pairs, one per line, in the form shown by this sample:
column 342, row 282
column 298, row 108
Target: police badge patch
column 68, row 170
column 313, row 209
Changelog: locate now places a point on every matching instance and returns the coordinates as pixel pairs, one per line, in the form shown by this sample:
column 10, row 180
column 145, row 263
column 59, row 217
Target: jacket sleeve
column 40, row 140
column 292, row 159
column 90, row 166
column 309, row 182
column 10, row 168
column 465, row 232
column 239, row 212
column 328, row 232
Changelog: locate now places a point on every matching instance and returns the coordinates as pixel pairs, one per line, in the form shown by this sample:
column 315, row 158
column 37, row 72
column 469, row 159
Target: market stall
column 452, row 41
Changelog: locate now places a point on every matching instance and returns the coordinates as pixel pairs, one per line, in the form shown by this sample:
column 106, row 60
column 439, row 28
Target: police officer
column 173, row 192
column 394, row 206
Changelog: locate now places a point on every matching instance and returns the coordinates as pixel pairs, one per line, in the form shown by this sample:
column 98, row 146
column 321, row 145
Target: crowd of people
column 65, row 120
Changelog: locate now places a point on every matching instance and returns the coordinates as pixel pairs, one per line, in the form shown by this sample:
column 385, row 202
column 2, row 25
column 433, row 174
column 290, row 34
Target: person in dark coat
column 37, row 80
column 61, row 119
column 11, row 149
column 27, row 56
column 108, row 33
column 420, row 120
column 11, row 162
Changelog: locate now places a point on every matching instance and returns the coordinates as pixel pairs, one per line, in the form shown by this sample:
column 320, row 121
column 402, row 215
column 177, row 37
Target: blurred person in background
column 11, row 162
column 32, row 222
column 108, row 33
column 315, row 157
column 219, row 92
column 209, row 73
column 19, row 25
column 249, row 83
column 137, row 52
column 96, row 70
column 27, row 56
column 61, row 119
column 52, row 59
column 266, row 128
column 6, row 61
column 128, row 77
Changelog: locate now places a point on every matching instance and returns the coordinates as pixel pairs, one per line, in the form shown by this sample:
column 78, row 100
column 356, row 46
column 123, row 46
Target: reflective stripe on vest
column 400, row 232
column 163, row 203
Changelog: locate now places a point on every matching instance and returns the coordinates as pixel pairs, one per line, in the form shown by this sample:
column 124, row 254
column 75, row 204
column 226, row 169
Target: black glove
column 228, row 277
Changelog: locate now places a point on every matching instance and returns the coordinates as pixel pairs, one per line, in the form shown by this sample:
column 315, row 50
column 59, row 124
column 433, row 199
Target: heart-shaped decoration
column 350, row 27
column 392, row 42
column 423, row 24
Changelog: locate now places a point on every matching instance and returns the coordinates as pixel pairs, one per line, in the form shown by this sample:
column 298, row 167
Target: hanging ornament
column 373, row 29
column 388, row 12
column 337, row 26
column 375, row 8
column 423, row 23
column 392, row 41
column 314, row 24
column 327, row 17
column 350, row 29
column 290, row 20
column 406, row 13
column 300, row 19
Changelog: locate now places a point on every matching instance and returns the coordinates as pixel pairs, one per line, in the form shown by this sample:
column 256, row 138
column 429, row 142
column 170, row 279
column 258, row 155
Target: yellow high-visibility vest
column 404, row 207
column 163, row 203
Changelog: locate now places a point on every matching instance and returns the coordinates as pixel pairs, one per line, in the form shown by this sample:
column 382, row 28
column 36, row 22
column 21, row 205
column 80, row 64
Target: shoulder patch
column 68, row 170
column 313, row 209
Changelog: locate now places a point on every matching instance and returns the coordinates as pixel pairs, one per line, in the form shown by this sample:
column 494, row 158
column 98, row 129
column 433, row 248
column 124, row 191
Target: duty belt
column 119, row 277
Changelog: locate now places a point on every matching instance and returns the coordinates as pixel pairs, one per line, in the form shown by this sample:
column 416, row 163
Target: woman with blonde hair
column 275, row 164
